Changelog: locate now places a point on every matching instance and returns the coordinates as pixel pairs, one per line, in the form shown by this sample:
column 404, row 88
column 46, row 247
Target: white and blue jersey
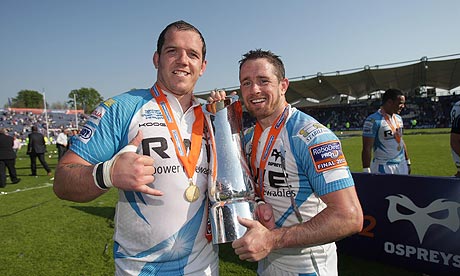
column 154, row 235
column 386, row 149
column 314, row 165
column 455, row 128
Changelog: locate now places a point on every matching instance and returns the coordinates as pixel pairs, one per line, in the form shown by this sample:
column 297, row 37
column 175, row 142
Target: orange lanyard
column 189, row 162
column 393, row 129
column 269, row 143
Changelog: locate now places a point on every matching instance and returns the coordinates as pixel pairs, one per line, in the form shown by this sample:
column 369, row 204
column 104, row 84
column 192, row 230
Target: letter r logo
column 158, row 144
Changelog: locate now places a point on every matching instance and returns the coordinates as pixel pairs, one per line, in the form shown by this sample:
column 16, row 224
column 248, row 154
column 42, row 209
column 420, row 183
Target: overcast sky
column 55, row 46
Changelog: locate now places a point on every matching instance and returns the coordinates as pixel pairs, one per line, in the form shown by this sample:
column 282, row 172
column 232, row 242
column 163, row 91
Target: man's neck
column 270, row 120
column 386, row 112
column 185, row 100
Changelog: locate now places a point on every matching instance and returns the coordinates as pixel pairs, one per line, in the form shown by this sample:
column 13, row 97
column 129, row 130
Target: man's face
column 398, row 104
column 262, row 92
column 181, row 61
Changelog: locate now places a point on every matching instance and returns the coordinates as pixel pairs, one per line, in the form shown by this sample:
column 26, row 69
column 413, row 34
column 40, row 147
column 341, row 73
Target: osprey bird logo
column 422, row 218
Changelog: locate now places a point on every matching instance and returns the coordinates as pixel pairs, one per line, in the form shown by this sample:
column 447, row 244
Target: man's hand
column 264, row 214
column 133, row 172
column 408, row 166
column 217, row 95
column 256, row 244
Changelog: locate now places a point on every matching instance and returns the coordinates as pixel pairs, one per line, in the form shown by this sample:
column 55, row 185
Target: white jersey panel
column 154, row 235
column 314, row 166
column 386, row 148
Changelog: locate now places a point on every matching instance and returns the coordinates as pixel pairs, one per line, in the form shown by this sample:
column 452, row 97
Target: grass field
column 42, row 235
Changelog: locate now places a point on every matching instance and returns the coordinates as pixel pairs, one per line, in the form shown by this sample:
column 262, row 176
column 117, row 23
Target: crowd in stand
column 418, row 113
column 19, row 124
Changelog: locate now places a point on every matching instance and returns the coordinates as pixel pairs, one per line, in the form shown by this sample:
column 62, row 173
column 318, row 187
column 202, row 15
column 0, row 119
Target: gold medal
column 399, row 147
column 192, row 193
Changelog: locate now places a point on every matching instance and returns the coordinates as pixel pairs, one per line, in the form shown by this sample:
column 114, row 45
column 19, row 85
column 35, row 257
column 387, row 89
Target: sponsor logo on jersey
column 276, row 153
column 152, row 114
column 109, row 102
column 367, row 127
column 311, row 131
column 86, row 133
column 327, row 156
column 97, row 115
column 175, row 169
column 152, row 124
column 280, row 193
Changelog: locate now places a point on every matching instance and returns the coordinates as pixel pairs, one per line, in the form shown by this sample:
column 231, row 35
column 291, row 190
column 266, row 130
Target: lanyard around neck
column 394, row 129
column 269, row 143
column 189, row 162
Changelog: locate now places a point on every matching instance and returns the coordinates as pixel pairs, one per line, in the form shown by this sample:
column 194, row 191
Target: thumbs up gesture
column 256, row 243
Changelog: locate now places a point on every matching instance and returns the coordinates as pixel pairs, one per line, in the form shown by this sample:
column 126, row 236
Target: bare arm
column 455, row 142
column 342, row 217
column 366, row 153
column 406, row 155
column 130, row 171
column 73, row 179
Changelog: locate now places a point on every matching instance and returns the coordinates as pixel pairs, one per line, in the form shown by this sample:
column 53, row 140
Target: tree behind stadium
column 28, row 99
column 86, row 98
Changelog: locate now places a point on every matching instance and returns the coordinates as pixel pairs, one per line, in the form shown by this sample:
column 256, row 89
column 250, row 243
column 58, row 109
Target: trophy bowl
column 231, row 193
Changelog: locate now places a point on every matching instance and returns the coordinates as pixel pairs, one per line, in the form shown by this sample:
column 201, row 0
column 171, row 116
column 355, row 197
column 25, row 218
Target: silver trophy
column 232, row 192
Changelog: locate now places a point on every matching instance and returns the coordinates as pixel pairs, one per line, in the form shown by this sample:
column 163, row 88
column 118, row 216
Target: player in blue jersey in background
column 383, row 137
column 153, row 146
column 302, row 179
column 455, row 135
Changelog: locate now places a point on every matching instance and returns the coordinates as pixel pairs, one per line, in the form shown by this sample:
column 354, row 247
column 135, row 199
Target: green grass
column 42, row 235
column 429, row 151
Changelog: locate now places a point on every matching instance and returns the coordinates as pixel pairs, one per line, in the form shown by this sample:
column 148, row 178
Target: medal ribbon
column 269, row 143
column 189, row 162
column 393, row 129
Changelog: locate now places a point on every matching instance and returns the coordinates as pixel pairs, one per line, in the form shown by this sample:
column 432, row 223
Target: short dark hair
column 391, row 94
column 271, row 57
column 34, row 128
column 181, row 26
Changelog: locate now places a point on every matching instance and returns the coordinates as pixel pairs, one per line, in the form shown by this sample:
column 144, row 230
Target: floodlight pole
column 75, row 108
column 46, row 115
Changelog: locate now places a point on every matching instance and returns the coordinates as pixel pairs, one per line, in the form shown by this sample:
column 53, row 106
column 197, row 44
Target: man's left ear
column 155, row 59
column 284, row 86
column 203, row 67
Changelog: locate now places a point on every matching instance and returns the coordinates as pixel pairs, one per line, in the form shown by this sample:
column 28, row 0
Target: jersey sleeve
column 106, row 130
column 320, row 158
column 370, row 127
column 455, row 118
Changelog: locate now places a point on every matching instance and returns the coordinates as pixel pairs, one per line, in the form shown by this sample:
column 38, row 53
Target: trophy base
column 225, row 226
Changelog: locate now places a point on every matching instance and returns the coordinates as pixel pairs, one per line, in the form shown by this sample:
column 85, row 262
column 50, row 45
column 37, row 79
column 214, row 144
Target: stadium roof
column 408, row 76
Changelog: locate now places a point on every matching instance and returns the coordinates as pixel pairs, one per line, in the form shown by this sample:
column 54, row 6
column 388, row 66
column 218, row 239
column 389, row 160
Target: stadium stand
column 19, row 121
column 429, row 112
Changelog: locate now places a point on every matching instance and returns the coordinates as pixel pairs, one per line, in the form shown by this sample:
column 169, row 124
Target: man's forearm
column 366, row 159
column 328, row 226
column 75, row 182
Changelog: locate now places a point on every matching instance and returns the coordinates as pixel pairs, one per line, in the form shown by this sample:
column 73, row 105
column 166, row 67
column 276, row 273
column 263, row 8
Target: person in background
column 61, row 142
column 306, row 194
column 382, row 137
column 36, row 148
column 153, row 145
column 17, row 144
column 7, row 159
column 455, row 135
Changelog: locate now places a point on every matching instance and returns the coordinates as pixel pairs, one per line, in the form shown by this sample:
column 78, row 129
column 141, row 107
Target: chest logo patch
column 327, row 156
